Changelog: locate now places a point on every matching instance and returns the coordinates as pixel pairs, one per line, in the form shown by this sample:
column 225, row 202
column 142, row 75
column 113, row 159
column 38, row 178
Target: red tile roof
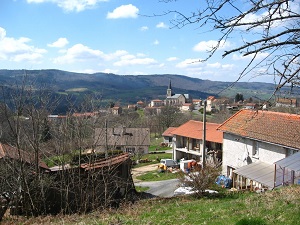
column 108, row 162
column 274, row 127
column 168, row 132
column 194, row 129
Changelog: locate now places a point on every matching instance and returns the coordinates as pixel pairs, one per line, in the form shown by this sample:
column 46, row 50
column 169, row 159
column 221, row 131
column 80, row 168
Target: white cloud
column 161, row 25
column 60, row 43
column 124, row 11
column 18, row 50
column 170, row 59
column 144, row 28
column 188, row 63
column 79, row 53
column 129, row 60
column 259, row 56
column 71, row 5
column 156, row 42
column 204, row 46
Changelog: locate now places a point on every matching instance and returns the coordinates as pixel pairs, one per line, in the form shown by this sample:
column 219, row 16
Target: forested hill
column 128, row 89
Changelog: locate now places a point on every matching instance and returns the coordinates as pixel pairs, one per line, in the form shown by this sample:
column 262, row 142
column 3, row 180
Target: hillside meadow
column 281, row 206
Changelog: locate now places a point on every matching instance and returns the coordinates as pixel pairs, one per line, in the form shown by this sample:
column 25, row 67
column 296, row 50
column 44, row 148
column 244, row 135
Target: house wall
column 238, row 152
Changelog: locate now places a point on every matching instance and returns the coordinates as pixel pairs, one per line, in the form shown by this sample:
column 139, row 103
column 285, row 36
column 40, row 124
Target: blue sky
column 110, row 36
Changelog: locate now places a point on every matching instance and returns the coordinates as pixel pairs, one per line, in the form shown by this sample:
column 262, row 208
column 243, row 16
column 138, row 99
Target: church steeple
column 169, row 90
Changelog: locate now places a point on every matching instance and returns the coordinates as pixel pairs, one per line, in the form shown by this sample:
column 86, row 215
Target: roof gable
column 168, row 132
column 194, row 129
column 274, row 127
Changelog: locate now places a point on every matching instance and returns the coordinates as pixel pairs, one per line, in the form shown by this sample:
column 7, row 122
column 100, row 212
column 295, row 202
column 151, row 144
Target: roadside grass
column 157, row 176
column 280, row 206
column 141, row 189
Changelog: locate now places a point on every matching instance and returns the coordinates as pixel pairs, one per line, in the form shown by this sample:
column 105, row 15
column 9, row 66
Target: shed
column 257, row 174
column 287, row 170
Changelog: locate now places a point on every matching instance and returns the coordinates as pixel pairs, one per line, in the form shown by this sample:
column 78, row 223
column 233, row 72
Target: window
column 130, row 150
column 255, row 149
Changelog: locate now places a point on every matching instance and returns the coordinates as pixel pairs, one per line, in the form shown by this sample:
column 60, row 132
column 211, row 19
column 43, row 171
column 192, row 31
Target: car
column 165, row 163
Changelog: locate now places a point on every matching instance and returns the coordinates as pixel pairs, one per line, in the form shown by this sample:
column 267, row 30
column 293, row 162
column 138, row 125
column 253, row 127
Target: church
column 177, row 99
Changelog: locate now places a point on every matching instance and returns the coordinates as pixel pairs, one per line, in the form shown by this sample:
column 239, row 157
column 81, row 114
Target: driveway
column 163, row 188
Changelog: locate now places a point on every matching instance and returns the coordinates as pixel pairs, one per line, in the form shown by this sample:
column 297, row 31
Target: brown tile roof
column 7, row 151
column 168, row 132
column 274, row 127
column 194, row 129
column 111, row 161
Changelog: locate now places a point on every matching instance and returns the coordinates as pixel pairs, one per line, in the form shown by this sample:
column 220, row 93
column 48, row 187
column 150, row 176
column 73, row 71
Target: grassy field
column 274, row 207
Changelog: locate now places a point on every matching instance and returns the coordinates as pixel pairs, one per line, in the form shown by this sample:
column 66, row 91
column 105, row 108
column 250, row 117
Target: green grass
column 153, row 158
column 141, row 189
column 271, row 208
column 157, row 176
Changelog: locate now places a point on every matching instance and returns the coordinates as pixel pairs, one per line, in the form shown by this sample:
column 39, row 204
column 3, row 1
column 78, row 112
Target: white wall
column 236, row 149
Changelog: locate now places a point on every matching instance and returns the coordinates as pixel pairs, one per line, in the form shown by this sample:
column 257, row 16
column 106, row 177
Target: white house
column 253, row 141
column 188, row 141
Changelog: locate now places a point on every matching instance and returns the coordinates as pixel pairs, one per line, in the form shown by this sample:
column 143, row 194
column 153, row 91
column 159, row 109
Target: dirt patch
column 143, row 169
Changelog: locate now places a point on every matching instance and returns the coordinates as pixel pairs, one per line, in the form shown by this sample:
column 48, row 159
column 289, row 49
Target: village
column 255, row 148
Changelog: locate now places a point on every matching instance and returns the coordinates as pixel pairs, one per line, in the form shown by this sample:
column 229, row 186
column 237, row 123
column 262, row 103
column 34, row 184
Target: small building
column 156, row 103
column 116, row 110
column 131, row 140
column 287, row 102
column 188, row 141
column 187, row 107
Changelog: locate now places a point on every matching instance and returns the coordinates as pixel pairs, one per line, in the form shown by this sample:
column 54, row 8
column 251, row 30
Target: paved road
column 163, row 188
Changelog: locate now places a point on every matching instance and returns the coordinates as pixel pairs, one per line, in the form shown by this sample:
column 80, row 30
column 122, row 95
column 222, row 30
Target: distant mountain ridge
column 128, row 89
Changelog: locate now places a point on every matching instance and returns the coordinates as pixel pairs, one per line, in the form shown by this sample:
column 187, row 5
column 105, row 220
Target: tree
column 274, row 25
column 239, row 97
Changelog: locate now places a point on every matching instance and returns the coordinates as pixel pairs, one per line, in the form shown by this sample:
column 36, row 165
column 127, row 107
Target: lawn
column 157, row 176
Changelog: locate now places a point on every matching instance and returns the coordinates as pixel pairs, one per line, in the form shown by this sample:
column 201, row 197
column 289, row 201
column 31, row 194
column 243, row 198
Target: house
column 116, row 110
column 140, row 105
column 188, row 141
column 132, row 107
column 287, row 102
column 187, row 107
column 132, row 140
column 254, row 141
column 168, row 136
column 209, row 103
column 156, row 103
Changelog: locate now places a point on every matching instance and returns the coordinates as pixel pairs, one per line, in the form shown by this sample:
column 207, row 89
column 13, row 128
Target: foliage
column 201, row 179
column 239, row 97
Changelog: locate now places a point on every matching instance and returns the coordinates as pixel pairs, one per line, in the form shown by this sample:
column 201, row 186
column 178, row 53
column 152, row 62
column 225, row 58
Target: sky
column 128, row 37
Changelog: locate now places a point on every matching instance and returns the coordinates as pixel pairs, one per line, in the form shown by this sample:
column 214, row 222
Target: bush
column 201, row 179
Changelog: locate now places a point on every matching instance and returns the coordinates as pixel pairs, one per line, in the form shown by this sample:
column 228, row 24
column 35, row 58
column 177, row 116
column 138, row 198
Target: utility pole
column 106, row 144
column 204, row 135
